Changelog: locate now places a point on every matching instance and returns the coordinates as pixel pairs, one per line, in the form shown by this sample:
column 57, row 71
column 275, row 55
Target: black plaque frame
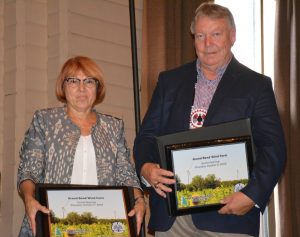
column 232, row 133
column 44, row 221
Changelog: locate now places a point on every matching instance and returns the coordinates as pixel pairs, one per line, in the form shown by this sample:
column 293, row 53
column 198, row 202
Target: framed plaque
column 207, row 167
column 83, row 210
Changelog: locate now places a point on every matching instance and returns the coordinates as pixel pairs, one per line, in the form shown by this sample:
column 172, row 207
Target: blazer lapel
column 224, row 88
column 180, row 114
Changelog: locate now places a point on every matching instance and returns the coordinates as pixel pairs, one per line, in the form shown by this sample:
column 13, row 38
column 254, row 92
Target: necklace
column 204, row 92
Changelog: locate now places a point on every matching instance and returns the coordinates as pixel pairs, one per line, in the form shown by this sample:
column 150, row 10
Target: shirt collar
column 220, row 70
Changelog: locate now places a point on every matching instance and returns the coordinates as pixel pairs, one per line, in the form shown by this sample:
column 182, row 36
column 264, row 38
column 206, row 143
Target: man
column 212, row 90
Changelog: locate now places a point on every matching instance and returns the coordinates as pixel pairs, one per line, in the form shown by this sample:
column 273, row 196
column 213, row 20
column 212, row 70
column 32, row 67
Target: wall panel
column 36, row 38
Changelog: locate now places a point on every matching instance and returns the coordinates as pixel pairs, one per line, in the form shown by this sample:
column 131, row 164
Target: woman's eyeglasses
column 88, row 82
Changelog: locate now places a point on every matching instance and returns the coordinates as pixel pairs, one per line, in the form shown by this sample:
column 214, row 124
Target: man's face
column 213, row 41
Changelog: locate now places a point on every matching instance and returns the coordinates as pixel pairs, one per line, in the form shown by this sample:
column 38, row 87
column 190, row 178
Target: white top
column 84, row 168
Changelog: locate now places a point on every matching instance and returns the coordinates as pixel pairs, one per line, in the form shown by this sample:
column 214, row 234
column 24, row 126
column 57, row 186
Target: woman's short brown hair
column 71, row 67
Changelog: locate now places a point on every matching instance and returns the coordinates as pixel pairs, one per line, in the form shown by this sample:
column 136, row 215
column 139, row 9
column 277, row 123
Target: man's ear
column 232, row 36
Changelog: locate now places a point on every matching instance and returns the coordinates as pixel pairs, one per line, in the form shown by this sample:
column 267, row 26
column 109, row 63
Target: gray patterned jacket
column 48, row 150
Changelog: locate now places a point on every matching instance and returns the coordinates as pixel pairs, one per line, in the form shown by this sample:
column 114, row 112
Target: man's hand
column 158, row 178
column 237, row 204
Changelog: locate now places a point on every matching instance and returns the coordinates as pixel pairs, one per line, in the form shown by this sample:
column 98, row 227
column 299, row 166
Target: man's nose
column 208, row 40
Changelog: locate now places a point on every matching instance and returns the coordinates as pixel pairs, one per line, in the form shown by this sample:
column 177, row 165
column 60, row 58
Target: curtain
column 287, row 90
column 166, row 42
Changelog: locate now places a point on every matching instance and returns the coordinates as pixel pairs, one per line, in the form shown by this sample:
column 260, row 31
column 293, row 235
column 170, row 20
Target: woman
column 75, row 144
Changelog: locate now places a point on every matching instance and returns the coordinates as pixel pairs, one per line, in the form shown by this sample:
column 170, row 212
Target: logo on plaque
column 117, row 227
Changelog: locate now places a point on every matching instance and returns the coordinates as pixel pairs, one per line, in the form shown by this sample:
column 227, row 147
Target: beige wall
column 36, row 37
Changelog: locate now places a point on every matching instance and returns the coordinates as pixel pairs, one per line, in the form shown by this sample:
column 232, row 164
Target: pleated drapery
column 287, row 90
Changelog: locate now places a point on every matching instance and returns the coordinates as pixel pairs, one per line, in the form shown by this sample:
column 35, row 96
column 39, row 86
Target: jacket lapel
column 180, row 114
column 224, row 88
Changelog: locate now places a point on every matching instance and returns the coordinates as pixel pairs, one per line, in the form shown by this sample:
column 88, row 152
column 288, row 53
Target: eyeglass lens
column 74, row 82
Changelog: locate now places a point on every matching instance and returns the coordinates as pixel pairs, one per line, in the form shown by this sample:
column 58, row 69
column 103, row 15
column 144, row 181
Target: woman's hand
column 138, row 211
column 139, row 208
column 32, row 206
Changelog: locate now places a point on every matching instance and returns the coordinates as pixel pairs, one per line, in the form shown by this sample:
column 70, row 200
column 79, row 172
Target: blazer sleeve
column 145, row 149
column 32, row 152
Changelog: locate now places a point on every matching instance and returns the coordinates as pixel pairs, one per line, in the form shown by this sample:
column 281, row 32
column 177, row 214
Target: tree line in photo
column 206, row 191
column 85, row 224
column 208, row 182
column 74, row 218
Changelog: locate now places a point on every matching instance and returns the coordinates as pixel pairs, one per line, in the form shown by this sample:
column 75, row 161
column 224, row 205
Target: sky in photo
column 227, row 161
column 101, row 203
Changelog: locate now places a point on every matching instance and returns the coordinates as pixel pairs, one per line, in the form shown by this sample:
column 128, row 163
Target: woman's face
column 80, row 97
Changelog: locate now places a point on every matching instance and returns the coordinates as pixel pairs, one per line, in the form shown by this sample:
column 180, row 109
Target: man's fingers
column 163, row 188
column 224, row 210
column 166, row 173
column 167, row 180
column 160, row 192
column 163, row 176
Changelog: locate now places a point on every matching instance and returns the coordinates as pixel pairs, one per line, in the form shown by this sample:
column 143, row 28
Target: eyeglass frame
column 66, row 80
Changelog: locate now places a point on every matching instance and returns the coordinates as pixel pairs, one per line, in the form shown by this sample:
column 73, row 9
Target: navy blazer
column 241, row 93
